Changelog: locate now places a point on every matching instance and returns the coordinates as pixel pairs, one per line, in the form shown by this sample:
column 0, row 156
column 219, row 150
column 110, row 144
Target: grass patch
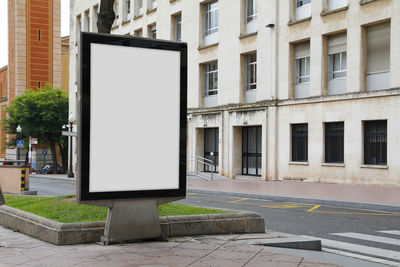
column 64, row 208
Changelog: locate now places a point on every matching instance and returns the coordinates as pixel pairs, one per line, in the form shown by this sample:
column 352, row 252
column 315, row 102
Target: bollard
column 2, row 200
column 23, row 174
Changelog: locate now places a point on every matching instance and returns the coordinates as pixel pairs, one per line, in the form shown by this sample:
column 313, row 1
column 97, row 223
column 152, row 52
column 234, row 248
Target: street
column 344, row 231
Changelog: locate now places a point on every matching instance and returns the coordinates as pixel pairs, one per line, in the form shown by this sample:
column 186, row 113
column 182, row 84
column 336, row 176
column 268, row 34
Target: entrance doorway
column 251, row 151
column 211, row 145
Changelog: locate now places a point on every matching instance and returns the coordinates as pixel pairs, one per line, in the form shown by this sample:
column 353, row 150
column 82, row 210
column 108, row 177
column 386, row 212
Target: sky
column 4, row 27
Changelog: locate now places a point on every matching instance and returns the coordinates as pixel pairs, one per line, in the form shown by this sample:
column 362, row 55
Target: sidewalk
column 351, row 196
column 223, row 250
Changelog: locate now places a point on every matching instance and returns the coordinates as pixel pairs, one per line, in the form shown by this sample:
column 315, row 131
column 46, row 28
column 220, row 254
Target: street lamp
column 19, row 129
column 71, row 119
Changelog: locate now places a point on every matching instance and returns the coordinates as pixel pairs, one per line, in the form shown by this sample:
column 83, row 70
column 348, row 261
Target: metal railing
column 204, row 161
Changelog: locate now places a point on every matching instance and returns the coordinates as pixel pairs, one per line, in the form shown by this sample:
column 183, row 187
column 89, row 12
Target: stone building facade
column 279, row 90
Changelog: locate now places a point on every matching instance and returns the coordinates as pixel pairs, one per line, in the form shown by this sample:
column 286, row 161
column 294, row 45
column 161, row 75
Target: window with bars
column 334, row 142
column 211, row 78
column 302, row 70
column 251, row 71
column 375, row 142
column 300, row 142
column 251, row 7
column 211, row 18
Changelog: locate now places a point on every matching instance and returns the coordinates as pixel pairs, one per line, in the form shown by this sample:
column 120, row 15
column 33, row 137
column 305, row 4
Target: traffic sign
column 73, row 134
column 20, row 143
column 44, row 152
column 33, row 141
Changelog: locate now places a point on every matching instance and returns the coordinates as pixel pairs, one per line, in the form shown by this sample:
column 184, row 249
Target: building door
column 211, row 148
column 251, row 151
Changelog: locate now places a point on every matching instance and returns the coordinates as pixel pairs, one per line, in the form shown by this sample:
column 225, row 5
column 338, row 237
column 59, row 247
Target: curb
column 171, row 226
column 332, row 203
column 52, row 178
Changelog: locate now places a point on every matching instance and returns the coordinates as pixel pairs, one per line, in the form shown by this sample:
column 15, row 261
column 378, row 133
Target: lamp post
column 19, row 129
column 71, row 119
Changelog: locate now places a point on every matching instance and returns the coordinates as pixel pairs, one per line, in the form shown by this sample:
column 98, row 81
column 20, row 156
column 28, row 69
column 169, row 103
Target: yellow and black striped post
column 23, row 170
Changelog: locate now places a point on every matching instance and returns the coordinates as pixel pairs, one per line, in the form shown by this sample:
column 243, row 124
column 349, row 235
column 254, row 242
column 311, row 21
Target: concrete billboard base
column 132, row 220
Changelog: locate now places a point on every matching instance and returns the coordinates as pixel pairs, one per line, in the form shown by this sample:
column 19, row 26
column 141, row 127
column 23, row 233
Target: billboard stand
column 147, row 95
column 132, row 220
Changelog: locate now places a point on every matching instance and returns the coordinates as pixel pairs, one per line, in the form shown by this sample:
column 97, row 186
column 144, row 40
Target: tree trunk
column 53, row 156
column 106, row 16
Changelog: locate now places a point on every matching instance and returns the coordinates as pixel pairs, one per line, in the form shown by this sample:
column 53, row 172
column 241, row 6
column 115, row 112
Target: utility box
column 14, row 179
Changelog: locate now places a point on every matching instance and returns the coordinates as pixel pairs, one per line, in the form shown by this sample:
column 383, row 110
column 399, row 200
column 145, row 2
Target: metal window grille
column 251, row 10
column 211, row 78
column 211, row 18
column 300, row 142
column 251, row 71
column 251, row 151
column 375, row 142
column 334, row 142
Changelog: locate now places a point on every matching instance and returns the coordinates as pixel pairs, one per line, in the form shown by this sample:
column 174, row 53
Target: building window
column 211, row 79
column 116, row 11
column 334, row 142
column 138, row 8
column 211, row 23
column 211, row 148
column 96, row 18
column 375, row 142
column 302, row 66
column 303, row 9
column 300, row 142
column 139, row 33
column 177, row 27
column 251, row 16
column 338, row 64
column 87, row 22
column 127, row 10
column 336, row 4
column 251, row 71
column 152, row 31
column 378, row 57
column 78, row 29
column 39, row 35
column 151, row 5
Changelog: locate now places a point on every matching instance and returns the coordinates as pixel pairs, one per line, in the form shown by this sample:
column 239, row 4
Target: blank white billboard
column 134, row 118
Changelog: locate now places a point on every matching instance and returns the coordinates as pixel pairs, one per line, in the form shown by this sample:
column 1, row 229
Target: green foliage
column 64, row 208
column 41, row 113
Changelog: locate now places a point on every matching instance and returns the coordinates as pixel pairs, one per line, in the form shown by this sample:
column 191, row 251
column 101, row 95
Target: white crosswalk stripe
column 371, row 253
column 374, row 238
column 392, row 232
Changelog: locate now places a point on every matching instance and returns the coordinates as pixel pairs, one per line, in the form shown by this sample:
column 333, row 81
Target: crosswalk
column 373, row 252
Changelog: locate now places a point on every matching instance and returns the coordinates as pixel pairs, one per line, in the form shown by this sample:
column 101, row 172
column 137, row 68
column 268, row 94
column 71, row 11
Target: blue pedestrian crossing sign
column 20, row 143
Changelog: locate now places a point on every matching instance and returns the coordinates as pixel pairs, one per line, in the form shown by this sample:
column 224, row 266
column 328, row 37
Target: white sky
column 4, row 28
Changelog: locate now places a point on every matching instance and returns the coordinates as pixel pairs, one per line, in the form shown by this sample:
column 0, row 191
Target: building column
column 395, row 46
column 272, row 141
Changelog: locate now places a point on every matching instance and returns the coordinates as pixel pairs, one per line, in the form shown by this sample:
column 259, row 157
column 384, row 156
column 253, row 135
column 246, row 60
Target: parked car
column 48, row 169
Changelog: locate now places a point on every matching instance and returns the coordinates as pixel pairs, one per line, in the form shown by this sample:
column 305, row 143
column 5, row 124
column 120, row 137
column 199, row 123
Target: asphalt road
column 350, row 230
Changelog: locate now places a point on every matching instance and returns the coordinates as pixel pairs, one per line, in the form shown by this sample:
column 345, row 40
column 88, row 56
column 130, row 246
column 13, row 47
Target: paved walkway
column 17, row 249
column 378, row 195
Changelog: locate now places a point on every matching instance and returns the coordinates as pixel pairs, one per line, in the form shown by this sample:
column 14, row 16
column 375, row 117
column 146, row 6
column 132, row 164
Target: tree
column 41, row 113
column 106, row 16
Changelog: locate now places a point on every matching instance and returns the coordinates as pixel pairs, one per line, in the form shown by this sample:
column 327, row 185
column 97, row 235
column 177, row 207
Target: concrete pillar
column 395, row 46
column 224, row 140
column 272, row 152
column 316, row 51
column 264, row 146
column 355, row 53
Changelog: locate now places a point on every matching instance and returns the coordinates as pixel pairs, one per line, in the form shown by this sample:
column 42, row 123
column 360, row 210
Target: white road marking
column 371, row 251
column 374, row 238
column 392, row 232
